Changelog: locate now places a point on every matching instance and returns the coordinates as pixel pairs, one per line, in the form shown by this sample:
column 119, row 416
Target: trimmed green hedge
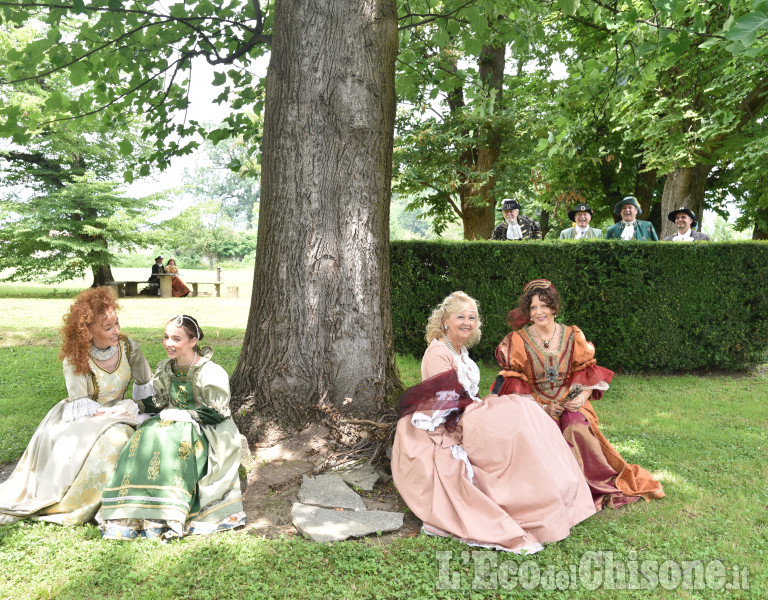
column 646, row 306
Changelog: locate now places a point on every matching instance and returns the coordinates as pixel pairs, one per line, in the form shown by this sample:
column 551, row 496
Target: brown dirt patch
column 274, row 476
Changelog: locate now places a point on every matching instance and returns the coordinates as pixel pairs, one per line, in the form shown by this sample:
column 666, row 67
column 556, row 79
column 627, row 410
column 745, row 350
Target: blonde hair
column 456, row 302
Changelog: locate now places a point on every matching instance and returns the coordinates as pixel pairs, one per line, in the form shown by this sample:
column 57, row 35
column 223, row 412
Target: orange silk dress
column 548, row 375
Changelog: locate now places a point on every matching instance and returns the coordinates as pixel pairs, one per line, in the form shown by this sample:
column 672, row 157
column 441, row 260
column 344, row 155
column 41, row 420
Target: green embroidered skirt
column 157, row 473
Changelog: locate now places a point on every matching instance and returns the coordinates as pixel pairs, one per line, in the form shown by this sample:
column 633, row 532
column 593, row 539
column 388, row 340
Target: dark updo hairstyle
column 190, row 326
column 548, row 296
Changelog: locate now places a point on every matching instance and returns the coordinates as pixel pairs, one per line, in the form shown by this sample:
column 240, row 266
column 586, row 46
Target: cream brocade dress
column 61, row 476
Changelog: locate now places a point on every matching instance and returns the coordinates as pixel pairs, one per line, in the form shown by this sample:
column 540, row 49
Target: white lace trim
column 600, row 385
column 468, row 373
column 460, row 454
column 77, row 409
column 143, row 390
column 423, row 421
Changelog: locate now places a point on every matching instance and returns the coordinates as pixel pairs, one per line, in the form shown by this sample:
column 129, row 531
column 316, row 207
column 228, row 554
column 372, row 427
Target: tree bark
column 102, row 275
column 685, row 186
column 319, row 327
column 479, row 207
column 759, row 232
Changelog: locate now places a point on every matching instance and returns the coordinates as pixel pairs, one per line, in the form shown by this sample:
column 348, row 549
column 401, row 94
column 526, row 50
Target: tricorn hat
column 580, row 208
column 628, row 200
column 509, row 204
column 683, row 209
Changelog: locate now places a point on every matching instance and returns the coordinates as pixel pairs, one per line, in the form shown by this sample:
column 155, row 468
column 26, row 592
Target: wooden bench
column 131, row 288
column 125, row 288
column 194, row 284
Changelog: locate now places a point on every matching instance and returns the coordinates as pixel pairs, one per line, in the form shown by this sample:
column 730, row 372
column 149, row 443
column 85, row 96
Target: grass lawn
column 706, row 438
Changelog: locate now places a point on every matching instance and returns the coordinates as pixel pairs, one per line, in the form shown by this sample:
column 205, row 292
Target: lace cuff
column 460, row 454
column 143, row 390
column 122, row 409
column 77, row 409
column 422, row 421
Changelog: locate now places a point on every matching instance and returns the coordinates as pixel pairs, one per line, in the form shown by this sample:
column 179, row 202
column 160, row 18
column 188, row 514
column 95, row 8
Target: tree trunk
column 320, row 327
column 102, row 275
column 479, row 208
column 645, row 185
column 759, row 232
column 685, row 186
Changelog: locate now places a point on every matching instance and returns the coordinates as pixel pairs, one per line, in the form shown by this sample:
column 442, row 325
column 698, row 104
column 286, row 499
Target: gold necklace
column 544, row 342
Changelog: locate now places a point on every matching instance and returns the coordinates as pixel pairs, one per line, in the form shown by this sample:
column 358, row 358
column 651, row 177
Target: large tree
column 70, row 231
column 319, row 328
column 41, row 175
column 320, row 325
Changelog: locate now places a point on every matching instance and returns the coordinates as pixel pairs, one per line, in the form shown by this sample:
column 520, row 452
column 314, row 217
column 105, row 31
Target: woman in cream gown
column 480, row 475
column 73, row 452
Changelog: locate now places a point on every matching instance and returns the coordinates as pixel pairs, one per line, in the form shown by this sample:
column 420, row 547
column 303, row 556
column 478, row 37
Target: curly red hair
column 89, row 306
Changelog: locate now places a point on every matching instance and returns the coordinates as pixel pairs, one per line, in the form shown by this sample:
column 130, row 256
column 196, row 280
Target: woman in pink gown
column 474, row 469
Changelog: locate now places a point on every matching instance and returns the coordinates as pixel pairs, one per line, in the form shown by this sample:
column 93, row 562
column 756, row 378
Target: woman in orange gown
column 555, row 364
column 178, row 288
column 473, row 469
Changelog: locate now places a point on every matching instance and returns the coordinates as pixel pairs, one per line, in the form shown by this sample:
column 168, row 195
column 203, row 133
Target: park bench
column 195, row 284
column 126, row 288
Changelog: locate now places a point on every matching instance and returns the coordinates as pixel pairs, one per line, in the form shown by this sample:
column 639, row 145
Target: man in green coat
column 629, row 228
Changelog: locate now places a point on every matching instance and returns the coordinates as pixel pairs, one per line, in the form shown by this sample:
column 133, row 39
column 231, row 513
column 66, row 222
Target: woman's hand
column 553, row 410
column 577, row 402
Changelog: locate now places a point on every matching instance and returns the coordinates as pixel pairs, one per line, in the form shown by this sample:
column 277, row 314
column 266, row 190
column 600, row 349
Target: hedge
column 647, row 306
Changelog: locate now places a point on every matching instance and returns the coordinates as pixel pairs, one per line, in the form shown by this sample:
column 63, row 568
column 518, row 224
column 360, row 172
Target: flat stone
column 326, row 525
column 329, row 491
column 363, row 476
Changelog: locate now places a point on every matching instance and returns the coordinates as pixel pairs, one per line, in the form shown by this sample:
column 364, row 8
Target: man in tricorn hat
column 629, row 228
column 515, row 226
column 685, row 219
column 154, row 279
column 581, row 215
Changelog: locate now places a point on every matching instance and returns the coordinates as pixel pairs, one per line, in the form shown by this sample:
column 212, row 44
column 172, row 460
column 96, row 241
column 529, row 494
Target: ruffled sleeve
column 585, row 372
column 510, row 354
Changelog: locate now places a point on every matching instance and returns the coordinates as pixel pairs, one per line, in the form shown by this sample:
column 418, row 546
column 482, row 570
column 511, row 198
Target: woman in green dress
column 179, row 473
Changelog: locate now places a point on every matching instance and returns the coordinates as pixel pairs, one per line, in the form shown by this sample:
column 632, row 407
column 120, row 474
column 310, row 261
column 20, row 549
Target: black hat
column 579, row 208
column 158, row 258
column 509, row 204
column 683, row 209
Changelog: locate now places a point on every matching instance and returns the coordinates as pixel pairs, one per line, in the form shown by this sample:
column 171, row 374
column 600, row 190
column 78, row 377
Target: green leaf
column 79, row 5
column 126, row 147
column 746, row 28
column 709, row 43
column 646, row 48
column 569, row 7
column 219, row 78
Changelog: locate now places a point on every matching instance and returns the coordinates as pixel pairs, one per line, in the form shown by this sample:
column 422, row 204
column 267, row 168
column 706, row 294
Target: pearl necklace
column 102, row 354
column 447, row 342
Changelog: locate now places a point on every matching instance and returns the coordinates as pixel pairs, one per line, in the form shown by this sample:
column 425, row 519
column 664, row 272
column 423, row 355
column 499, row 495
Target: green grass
column 705, row 438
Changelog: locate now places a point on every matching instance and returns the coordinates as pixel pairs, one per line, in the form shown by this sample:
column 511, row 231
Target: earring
column 445, row 327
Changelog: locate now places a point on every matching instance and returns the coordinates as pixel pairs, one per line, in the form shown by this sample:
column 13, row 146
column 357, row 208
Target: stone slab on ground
column 329, row 491
column 327, row 525
column 363, row 476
